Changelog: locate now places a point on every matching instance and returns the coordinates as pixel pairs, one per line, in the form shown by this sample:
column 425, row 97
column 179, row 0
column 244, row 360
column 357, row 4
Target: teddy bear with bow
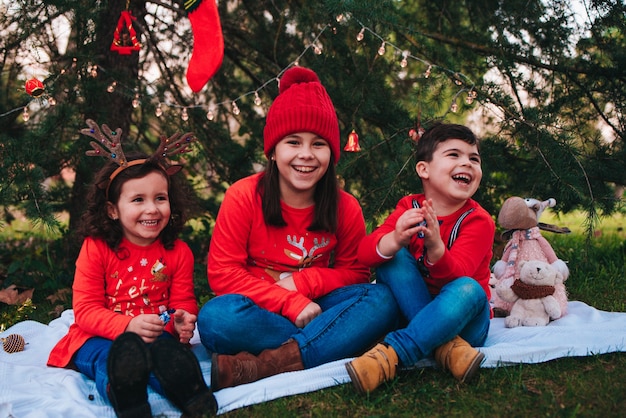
column 532, row 295
column 520, row 219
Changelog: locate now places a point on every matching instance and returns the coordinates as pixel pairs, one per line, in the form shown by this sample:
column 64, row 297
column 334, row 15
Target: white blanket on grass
column 29, row 389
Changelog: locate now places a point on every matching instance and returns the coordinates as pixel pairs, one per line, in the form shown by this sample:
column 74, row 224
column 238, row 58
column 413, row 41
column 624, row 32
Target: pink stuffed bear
column 520, row 218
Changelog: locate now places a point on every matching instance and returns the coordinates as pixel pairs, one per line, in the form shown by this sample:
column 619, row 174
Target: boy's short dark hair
column 441, row 132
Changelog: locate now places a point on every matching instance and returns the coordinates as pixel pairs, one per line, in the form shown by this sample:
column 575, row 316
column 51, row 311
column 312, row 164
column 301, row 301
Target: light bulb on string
column 135, row 102
column 471, row 95
column 210, row 115
column 236, row 110
column 427, row 72
column 94, row 71
column 454, row 107
column 25, row 114
column 159, row 111
column 184, row 115
column 404, row 61
column 360, row 35
column 381, row 49
column 317, row 50
column 257, row 99
column 52, row 101
column 112, row 86
column 457, row 79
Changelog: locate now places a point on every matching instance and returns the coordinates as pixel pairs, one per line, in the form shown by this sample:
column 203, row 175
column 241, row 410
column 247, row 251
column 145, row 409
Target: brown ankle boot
column 460, row 358
column 373, row 368
column 228, row 371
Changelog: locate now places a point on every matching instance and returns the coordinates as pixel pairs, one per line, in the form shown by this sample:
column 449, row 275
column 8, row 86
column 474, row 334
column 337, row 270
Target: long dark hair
column 326, row 198
column 95, row 221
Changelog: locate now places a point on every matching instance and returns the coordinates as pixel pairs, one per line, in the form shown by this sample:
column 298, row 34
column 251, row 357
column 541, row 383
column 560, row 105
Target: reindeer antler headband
column 111, row 140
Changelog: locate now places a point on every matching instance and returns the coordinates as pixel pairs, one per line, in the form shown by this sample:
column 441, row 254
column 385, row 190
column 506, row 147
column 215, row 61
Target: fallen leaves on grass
column 60, row 295
column 14, row 295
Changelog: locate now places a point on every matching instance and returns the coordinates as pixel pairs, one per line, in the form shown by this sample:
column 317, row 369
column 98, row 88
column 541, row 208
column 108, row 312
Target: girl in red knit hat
column 291, row 293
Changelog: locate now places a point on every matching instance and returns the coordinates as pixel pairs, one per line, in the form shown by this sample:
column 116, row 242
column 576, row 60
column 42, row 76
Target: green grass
column 593, row 386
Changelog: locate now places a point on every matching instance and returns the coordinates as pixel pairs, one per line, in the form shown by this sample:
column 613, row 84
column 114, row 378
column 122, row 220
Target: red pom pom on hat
column 302, row 105
column 297, row 75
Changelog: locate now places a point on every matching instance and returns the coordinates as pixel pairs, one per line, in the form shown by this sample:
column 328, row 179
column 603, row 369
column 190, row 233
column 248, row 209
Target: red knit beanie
column 302, row 105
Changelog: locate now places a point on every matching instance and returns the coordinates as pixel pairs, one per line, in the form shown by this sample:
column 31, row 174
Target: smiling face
column 143, row 208
column 452, row 176
column 302, row 160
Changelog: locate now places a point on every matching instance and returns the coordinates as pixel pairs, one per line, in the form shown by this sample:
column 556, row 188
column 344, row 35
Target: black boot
column 178, row 371
column 128, row 366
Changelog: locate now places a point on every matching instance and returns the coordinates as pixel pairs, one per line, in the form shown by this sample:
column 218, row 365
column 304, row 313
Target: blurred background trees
column 542, row 82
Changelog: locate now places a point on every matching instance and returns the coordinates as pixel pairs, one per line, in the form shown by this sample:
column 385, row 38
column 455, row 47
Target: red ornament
column 416, row 134
column 34, row 87
column 125, row 38
column 353, row 142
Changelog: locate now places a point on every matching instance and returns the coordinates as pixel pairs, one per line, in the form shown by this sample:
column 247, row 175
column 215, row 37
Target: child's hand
column 184, row 324
column 309, row 313
column 407, row 225
column 286, row 282
column 147, row 326
column 432, row 236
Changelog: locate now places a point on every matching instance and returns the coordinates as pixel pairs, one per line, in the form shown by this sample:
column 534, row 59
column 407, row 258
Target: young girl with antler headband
column 132, row 276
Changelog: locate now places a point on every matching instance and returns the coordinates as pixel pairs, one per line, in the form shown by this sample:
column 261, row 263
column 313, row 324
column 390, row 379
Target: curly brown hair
column 95, row 221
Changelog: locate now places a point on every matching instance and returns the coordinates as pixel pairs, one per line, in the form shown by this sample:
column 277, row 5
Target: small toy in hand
column 165, row 314
column 423, row 223
column 13, row 343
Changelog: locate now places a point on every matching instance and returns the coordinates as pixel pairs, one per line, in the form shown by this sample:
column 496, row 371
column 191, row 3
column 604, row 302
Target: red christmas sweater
column 111, row 288
column 471, row 252
column 246, row 256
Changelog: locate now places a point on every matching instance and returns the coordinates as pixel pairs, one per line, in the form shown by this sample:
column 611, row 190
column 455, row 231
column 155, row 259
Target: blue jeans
column 91, row 360
column 461, row 308
column 353, row 318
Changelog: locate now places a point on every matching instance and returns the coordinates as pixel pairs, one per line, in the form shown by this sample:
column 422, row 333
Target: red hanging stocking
column 208, row 42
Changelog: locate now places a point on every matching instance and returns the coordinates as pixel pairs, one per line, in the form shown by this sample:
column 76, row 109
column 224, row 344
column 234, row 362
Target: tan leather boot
column 373, row 368
column 459, row 358
column 228, row 371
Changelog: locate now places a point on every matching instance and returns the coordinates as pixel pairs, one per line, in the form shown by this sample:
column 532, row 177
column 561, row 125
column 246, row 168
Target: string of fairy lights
column 45, row 100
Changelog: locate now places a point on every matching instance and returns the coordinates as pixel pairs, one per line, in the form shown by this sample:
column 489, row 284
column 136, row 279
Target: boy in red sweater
column 434, row 253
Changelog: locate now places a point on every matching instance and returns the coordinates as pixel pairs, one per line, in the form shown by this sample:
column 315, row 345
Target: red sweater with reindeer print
column 246, row 256
column 110, row 288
